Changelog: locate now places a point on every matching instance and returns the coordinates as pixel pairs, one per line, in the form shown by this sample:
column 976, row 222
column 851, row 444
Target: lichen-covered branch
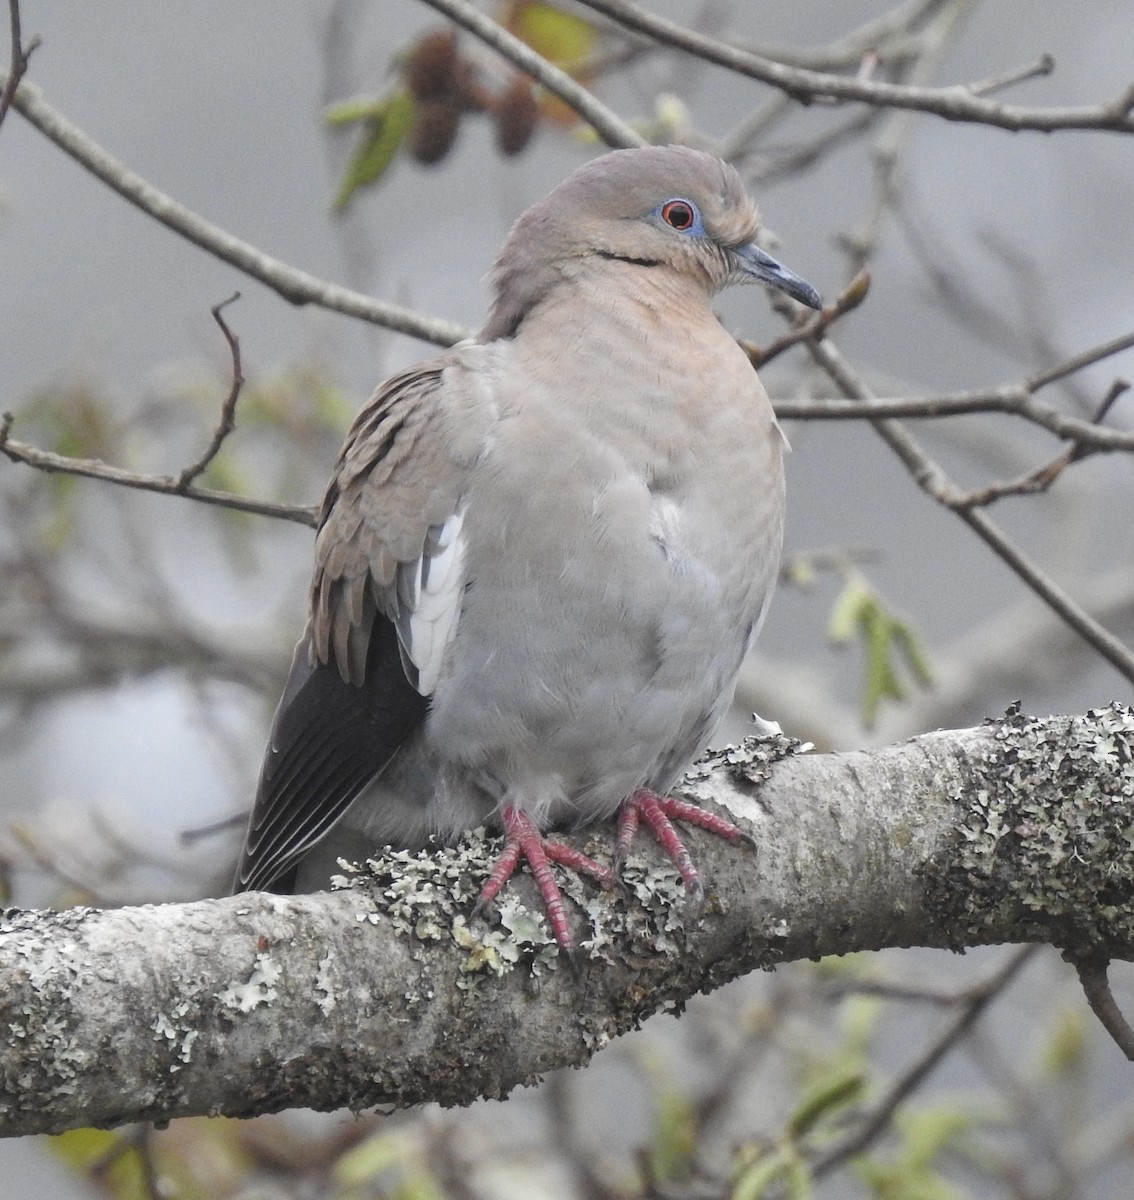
column 384, row 994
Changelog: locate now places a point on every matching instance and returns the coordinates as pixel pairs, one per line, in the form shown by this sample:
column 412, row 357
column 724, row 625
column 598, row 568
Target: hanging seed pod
column 516, row 116
column 434, row 131
column 432, row 66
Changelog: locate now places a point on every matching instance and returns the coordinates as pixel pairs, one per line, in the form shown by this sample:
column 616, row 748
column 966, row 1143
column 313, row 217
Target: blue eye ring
column 681, row 216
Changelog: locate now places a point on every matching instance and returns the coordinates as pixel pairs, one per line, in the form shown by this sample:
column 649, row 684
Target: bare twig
column 1096, row 987
column 169, row 485
column 295, row 286
column 812, row 325
column 892, row 35
column 878, row 1121
column 897, row 131
column 932, row 479
column 1010, row 399
column 956, row 103
column 1077, row 362
column 605, row 121
column 781, row 163
column 227, row 422
column 1041, row 478
column 1044, row 65
column 18, row 60
column 1014, row 398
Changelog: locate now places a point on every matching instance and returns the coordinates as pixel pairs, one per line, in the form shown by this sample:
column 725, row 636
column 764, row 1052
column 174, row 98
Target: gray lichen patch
column 51, row 968
column 176, row 1027
column 1046, row 840
column 430, row 895
column 748, row 764
column 259, row 988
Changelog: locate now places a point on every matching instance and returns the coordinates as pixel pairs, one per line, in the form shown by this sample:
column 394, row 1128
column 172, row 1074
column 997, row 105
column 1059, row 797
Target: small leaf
column 105, row 1156
column 562, row 38
column 675, row 1137
column 881, row 681
column 801, row 573
column 833, row 1094
column 887, row 640
column 755, row 1179
column 356, row 108
column 907, row 642
column 856, row 291
column 911, row 1172
column 371, row 1157
column 846, row 613
column 799, row 1182
column 1065, row 1049
column 382, row 137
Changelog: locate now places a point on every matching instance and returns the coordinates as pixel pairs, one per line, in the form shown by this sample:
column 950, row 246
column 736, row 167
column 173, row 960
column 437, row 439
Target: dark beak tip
column 809, row 296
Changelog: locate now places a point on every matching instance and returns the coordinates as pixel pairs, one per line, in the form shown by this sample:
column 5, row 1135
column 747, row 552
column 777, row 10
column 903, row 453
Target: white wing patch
column 429, row 602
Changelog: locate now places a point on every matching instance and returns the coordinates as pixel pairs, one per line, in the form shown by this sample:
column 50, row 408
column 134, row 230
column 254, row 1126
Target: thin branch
column 18, row 62
column 1011, row 398
column 956, row 103
column 811, row 325
column 1096, row 987
column 605, row 121
column 894, row 35
column 168, row 485
column 1041, row 478
column 750, row 129
column 932, row 479
column 799, row 157
column 879, row 1120
column 1044, row 65
column 227, row 421
column 295, row 286
column 1077, row 362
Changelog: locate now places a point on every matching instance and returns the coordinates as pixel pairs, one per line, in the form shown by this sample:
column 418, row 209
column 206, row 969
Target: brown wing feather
column 348, row 704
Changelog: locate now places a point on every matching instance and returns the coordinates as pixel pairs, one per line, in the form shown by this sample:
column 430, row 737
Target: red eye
column 678, row 214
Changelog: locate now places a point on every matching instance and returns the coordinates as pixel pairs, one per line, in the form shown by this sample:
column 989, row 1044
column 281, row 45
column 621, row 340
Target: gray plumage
column 544, row 553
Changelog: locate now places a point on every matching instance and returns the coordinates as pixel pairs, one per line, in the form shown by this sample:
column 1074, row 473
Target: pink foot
column 522, row 839
column 659, row 812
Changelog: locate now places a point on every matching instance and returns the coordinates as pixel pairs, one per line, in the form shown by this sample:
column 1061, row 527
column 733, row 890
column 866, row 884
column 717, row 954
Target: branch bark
column 956, row 103
column 1018, row 831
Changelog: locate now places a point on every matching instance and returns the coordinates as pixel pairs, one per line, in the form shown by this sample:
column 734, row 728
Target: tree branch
column 227, row 422
column 168, row 485
column 18, row 58
column 878, row 1120
column 1092, row 974
column 383, row 994
column 957, row 103
column 929, row 476
column 295, row 286
column 1017, row 399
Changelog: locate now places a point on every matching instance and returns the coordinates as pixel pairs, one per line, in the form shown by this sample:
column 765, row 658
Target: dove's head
column 661, row 209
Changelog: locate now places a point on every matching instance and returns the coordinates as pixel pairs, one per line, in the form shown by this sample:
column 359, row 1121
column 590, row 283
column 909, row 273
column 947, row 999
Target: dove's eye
column 679, row 215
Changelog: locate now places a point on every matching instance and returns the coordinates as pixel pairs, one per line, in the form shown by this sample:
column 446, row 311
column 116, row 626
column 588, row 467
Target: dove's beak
column 757, row 264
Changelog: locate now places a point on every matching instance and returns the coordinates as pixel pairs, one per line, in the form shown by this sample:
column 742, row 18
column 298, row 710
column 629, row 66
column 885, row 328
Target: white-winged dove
column 544, row 553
